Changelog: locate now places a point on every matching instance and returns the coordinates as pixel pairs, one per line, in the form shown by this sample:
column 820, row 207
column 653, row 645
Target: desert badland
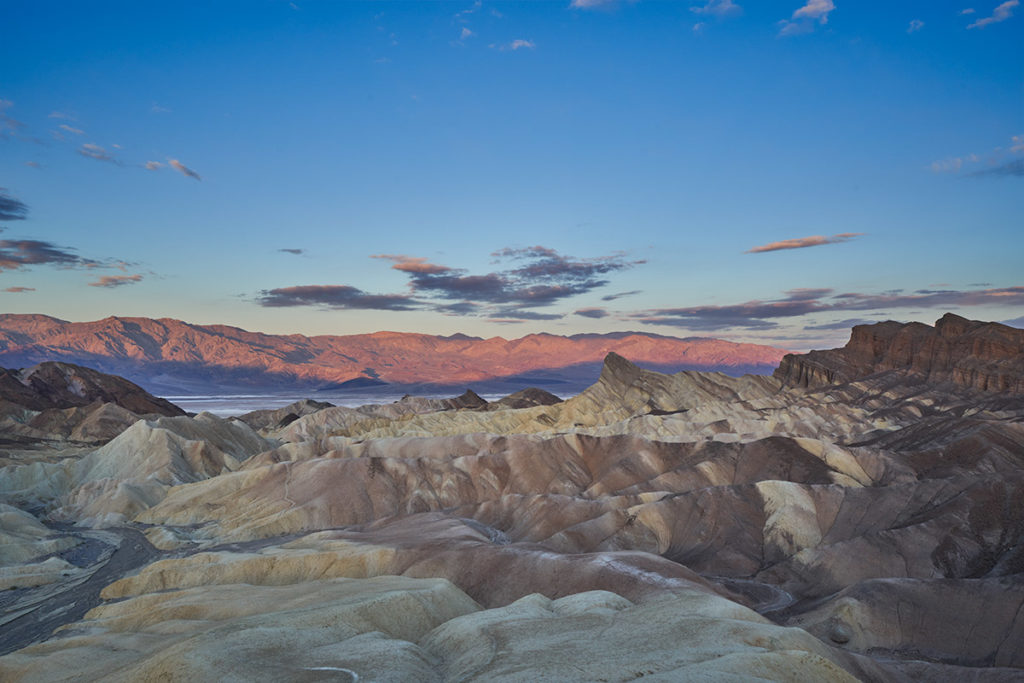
column 855, row 516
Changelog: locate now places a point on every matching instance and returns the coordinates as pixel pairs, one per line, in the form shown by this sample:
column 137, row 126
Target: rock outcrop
column 52, row 385
column 976, row 355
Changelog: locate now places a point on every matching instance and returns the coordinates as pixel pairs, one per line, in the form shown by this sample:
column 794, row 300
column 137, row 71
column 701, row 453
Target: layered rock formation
column 183, row 358
column 976, row 355
column 687, row 526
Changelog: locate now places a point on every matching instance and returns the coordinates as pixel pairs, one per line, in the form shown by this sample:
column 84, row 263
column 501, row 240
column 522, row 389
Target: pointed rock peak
column 469, row 399
column 618, row 369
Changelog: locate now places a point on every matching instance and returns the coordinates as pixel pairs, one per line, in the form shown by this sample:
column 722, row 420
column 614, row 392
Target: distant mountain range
column 173, row 357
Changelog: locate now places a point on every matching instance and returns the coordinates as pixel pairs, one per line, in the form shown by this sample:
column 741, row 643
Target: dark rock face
column 986, row 357
column 281, row 417
column 527, row 398
column 63, row 385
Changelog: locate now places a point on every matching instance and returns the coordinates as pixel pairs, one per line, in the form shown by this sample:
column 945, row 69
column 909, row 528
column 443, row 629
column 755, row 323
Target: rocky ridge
column 692, row 525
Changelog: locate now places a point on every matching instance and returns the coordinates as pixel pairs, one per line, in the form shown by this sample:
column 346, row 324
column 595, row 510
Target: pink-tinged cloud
column 71, row 129
column 111, row 281
column 92, row 151
column 20, row 290
column 803, row 242
column 1000, row 13
column 153, row 165
column 413, row 264
column 183, row 169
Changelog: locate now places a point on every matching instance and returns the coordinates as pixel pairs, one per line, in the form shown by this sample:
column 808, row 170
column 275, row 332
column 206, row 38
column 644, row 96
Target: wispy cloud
column 8, row 125
column 16, row 254
column 93, row 151
column 803, row 242
column 534, row 277
column 465, row 33
column 183, row 169
column 1010, row 168
column 1000, row 13
column 11, row 208
column 619, row 295
column 62, row 115
column 518, row 44
column 915, row 26
column 764, row 314
column 296, row 252
column 19, row 290
column 591, row 312
column 71, row 129
column 470, row 10
column 718, row 8
column 111, row 281
column 591, row 4
column 157, row 109
column 950, row 165
column 334, row 297
column 969, row 10
column 804, row 18
column 152, row 165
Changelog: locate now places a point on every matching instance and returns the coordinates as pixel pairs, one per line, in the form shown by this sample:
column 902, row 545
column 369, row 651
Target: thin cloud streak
column 93, row 151
column 111, row 281
column 1000, row 13
column 804, row 242
column 334, row 297
column 718, row 8
column 759, row 314
column 16, row 254
column 1010, row 168
column 11, row 209
column 183, row 169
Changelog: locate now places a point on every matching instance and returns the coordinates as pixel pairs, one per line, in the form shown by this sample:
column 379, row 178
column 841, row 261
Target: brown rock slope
column 64, row 402
column 680, row 527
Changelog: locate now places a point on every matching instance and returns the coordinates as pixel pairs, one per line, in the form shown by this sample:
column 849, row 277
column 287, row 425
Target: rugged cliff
column 975, row 355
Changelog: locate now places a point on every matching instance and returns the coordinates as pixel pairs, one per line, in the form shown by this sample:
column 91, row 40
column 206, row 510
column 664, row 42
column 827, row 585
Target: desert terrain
column 854, row 516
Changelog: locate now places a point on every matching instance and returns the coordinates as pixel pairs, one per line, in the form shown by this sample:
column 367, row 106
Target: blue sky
column 771, row 172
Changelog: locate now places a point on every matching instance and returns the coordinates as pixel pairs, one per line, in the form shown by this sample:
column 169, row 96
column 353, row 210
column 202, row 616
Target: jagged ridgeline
column 856, row 516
